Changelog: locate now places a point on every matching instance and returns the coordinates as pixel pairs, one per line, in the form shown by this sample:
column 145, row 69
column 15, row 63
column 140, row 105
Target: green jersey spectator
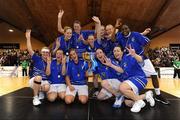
column 176, row 65
column 24, row 65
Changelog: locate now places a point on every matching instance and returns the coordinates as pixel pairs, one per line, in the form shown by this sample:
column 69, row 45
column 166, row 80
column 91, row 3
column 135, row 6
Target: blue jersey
column 106, row 46
column 117, row 63
column 135, row 39
column 76, row 72
column 66, row 45
column 93, row 50
column 39, row 67
column 56, row 76
column 104, row 71
column 131, row 67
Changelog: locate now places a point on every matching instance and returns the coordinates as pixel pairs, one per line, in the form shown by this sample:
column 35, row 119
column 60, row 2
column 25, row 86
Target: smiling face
column 45, row 53
column 117, row 53
column 73, row 55
column 68, row 33
column 109, row 30
column 90, row 39
column 100, row 55
column 125, row 30
column 59, row 55
column 77, row 27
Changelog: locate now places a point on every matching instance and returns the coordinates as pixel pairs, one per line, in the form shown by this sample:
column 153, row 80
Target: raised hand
column 49, row 59
column 107, row 61
column 146, row 31
column 131, row 51
column 28, row 33
column 118, row 23
column 80, row 38
column 64, row 59
column 60, row 14
column 57, row 43
column 96, row 19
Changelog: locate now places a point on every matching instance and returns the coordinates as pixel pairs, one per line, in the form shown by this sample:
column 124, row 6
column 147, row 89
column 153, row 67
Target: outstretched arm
column 60, row 28
column 133, row 54
column 108, row 63
column 97, row 27
column 63, row 65
column 146, row 31
column 28, row 38
column 57, row 45
column 116, row 27
column 48, row 67
column 68, row 83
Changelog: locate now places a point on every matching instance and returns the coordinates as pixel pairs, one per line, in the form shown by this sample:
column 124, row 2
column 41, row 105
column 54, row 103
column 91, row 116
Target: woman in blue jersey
column 133, row 79
column 39, row 81
column 56, row 70
column 65, row 42
column 138, row 41
column 76, row 79
column 79, row 35
column 104, row 37
column 110, row 83
column 92, row 45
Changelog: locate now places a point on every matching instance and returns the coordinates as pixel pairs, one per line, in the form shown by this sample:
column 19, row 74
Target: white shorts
column 114, row 83
column 133, row 87
column 148, row 68
column 57, row 88
column 31, row 82
column 80, row 89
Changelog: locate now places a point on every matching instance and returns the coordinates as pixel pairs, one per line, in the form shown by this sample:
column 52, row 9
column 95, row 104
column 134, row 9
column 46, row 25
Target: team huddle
column 116, row 57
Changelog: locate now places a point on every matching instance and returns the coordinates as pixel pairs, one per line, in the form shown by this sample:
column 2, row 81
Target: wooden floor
column 15, row 103
column 11, row 84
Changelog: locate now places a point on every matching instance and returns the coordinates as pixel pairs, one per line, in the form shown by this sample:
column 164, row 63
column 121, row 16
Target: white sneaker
column 41, row 95
column 149, row 98
column 118, row 102
column 137, row 106
column 36, row 101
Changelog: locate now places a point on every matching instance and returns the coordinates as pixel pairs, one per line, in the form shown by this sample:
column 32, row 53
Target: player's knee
column 104, row 83
column 51, row 98
column 83, row 100
column 38, row 78
column 62, row 96
column 68, row 100
column 122, row 89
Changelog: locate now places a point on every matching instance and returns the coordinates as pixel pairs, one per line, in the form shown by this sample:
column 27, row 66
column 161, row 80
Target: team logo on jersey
column 83, row 65
column 89, row 48
column 103, row 74
column 133, row 39
column 125, row 64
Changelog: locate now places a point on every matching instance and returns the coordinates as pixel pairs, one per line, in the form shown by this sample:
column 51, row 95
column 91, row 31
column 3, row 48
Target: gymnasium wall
column 16, row 37
column 170, row 37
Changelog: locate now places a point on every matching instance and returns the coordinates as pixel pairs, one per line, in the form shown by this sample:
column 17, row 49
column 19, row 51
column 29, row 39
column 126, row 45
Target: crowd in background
column 163, row 57
column 160, row 57
column 14, row 57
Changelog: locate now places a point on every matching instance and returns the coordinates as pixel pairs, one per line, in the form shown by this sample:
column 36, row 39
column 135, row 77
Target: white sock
column 35, row 96
column 157, row 91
